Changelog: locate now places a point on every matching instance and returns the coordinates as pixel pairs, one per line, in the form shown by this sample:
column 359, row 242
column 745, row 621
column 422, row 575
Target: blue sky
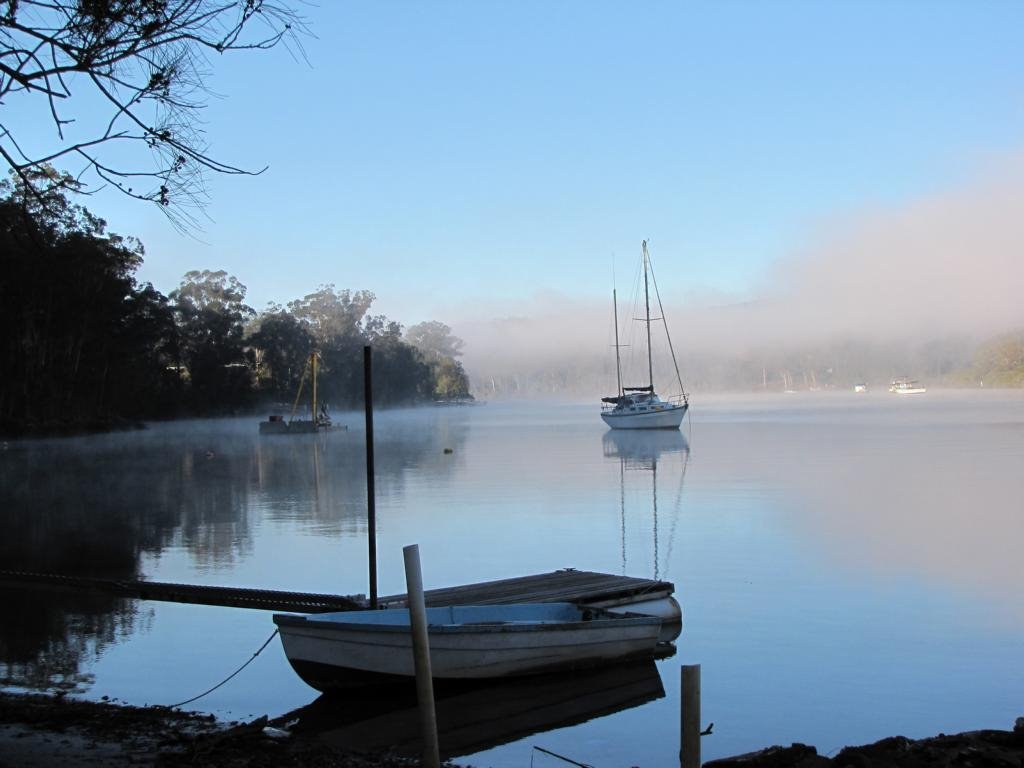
column 452, row 153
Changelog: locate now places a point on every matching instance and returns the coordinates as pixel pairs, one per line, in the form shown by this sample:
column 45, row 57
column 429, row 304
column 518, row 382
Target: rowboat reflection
column 478, row 717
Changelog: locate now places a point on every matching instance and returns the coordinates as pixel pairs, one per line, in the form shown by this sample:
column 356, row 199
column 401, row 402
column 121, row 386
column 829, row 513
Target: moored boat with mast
column 640, row 407
column 318, row 421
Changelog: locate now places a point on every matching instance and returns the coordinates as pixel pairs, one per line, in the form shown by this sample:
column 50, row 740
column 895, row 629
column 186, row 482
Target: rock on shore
column 976, row 749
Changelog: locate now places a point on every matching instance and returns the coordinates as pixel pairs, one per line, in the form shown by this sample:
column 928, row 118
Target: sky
column 472, row 161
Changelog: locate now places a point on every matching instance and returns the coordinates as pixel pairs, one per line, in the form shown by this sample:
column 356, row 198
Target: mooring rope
column 560, row 757
column 218, row 685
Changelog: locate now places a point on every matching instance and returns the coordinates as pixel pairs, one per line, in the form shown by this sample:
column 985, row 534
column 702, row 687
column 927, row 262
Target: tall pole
column 618, row 364
column 647, row 308
column 371, row 510
column 313, row 415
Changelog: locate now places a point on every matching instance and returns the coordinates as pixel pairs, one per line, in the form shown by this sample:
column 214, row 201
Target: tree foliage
column 86, row 346
column 211, row 314
column 334, row 317
column 440, row 348
column 434, row 338
column 82, row 341
column 143, row 62
column 281, row 344
column 1000, row 362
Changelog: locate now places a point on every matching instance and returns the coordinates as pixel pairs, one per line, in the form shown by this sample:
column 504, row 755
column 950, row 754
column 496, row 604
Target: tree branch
column 130, row 52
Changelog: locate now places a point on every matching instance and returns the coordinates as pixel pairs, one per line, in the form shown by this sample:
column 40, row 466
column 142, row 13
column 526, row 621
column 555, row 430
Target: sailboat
column 318, row 421
column 640, row 407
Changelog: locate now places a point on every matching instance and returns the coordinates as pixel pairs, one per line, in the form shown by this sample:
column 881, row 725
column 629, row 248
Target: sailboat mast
column 647, row 315
column 618, row 362
column 313, row 359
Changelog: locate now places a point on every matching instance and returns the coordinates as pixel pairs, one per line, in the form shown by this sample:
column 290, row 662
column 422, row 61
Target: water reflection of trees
column 95, row 506
column 320, row 480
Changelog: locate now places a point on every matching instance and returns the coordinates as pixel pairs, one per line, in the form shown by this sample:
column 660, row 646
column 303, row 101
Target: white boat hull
column 330, row 651
column 665, row 417
column 906, row 386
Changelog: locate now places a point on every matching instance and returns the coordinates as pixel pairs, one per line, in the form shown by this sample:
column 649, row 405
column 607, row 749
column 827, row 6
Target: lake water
column 849, row 566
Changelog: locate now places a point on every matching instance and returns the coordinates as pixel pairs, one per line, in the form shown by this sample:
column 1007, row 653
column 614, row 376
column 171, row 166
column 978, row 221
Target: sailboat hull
column 296, row 427
column 663, row 417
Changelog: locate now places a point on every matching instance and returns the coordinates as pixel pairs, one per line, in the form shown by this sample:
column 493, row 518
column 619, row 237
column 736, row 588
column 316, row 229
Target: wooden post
column 689, row 751
column 371, row 509
column 421, row 656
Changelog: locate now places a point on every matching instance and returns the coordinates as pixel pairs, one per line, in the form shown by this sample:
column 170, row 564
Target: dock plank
column 557, row 586
column 569, row 586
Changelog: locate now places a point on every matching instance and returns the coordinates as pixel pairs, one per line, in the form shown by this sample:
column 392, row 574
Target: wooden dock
column 235, row 597
column 569, row 586
column 565, row 586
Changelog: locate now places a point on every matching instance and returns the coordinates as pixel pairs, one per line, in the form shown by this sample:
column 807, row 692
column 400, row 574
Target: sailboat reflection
column 642, row 451
column 481, row 717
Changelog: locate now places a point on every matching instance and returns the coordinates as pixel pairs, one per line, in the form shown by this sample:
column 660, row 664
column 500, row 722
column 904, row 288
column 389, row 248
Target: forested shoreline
column 87, row 347
column 995, row 362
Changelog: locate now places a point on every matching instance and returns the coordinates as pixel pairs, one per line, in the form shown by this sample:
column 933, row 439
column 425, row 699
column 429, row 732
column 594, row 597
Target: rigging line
column 654, row 505
column 675, row 511
column 622, row 507
column 561, row 757
column 218, row 685
column 661, row 309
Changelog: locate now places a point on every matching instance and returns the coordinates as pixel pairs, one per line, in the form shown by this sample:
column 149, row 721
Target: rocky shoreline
column 38, row 731
column 973, row 749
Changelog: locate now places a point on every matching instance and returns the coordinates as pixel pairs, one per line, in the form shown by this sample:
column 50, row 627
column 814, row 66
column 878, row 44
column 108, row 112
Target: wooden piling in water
column 421, row 656
column 689, row 749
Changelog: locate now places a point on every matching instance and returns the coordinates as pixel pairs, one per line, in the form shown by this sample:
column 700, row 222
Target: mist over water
column 891, row 290
column 845, row 563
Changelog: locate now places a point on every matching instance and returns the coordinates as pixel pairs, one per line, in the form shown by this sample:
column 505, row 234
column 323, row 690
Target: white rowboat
column 354, row 648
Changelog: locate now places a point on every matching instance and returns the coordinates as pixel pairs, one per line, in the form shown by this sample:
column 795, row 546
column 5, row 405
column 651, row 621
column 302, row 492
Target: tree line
column 957, row 362
column 86, row 346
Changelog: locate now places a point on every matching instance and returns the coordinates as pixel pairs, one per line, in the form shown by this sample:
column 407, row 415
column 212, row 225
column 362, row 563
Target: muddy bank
column 42, row 731
column 975, row 749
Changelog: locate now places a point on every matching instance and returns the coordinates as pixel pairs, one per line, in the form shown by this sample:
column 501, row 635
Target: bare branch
column 145, row 59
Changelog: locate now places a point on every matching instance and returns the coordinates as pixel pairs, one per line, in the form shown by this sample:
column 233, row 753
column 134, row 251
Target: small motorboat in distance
column 351, row 649
column 906, row 386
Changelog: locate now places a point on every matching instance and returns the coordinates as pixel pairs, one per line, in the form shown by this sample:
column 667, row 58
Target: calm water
column 849, row 566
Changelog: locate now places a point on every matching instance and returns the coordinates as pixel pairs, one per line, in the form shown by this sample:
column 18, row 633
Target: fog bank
column 944, row 268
